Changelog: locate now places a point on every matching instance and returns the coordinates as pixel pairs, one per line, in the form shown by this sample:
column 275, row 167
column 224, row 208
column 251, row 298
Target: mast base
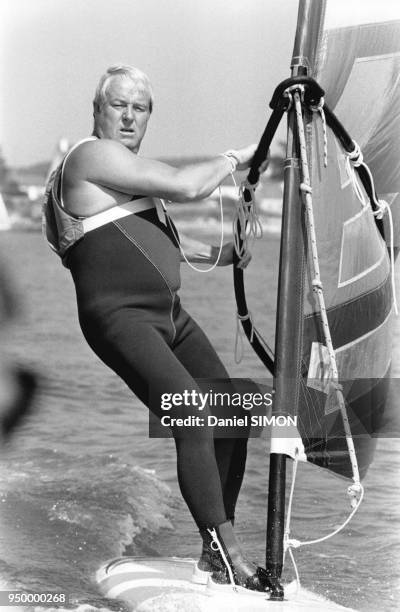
column 274, row 571
column 276, row 589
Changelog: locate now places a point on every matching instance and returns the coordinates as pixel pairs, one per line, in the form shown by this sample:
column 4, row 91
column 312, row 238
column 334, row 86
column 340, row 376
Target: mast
column 289, row 323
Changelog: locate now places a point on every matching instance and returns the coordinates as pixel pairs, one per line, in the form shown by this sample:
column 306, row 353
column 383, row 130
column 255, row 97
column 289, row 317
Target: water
column 81, row 481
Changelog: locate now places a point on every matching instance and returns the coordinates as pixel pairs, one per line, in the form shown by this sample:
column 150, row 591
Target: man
column 104, row 220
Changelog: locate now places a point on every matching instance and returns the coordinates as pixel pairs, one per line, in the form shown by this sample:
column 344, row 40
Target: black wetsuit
column 126, row 275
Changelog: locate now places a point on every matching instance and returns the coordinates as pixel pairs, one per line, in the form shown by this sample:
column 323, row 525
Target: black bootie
column 235, row 570
column 209, row 562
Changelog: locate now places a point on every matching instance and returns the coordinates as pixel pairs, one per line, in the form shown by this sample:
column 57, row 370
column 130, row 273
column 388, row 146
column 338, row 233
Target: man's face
column 124, row 114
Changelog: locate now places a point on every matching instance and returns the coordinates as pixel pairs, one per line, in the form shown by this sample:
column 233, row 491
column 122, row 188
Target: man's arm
column 111, row 165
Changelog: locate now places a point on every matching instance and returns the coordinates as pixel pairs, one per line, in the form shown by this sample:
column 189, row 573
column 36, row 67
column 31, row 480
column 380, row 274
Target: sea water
column 81, row 481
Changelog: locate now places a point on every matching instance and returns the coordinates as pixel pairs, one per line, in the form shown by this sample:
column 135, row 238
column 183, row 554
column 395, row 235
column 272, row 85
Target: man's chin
column 129, row 141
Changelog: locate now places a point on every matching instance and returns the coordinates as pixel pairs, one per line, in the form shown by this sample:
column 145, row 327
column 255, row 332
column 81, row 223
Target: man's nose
column 128, row 113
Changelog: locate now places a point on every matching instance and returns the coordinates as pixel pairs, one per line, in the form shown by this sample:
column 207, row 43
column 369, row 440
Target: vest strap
column 116, row 212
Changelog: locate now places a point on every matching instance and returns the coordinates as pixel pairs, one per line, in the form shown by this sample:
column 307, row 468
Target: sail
column 362, row 87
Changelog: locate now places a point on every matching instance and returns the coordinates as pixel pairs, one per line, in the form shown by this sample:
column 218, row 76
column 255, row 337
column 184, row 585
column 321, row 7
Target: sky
column 213, row 64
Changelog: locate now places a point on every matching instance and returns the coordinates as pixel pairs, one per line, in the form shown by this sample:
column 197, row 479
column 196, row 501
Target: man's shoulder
column 94, row 152
column 91, row 146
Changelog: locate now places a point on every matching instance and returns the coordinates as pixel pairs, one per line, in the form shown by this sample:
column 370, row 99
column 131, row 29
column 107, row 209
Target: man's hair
column 137, row 76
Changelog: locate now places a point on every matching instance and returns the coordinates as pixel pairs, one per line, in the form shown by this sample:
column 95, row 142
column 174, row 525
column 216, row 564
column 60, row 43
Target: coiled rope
column 247, row 219
column 247, row 228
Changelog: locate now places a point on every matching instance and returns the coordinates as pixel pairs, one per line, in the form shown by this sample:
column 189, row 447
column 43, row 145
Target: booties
column 209, row 562
column 235, row 569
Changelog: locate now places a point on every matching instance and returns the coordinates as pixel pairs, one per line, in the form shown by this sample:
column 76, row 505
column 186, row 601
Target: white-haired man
column 105, row 220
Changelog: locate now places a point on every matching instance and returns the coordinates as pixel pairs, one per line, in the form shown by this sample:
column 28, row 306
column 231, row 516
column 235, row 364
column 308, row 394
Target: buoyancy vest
column 62, row 230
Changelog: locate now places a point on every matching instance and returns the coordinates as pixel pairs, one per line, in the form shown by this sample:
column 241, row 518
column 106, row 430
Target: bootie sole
column 200, row 576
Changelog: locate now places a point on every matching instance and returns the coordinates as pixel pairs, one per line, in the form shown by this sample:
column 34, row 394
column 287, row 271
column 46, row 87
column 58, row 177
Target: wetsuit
column 126, row 275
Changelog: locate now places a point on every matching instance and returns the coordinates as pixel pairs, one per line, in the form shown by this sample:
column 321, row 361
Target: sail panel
column 363, row 86
column 353, row 267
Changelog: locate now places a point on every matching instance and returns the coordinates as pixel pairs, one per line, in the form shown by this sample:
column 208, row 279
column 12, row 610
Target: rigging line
column 297, row 543
column 286, row 540
column 294, row 543
column 290, row 504
column 221, row 242
column 239, row 344
column 290, row 543
column 296, row 571
column 255, row 338
column 319, row 108
column 306, row 190
column 355, row 159
column 384, row 207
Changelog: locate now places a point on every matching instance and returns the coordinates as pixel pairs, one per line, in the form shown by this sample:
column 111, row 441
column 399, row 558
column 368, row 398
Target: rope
column 290, row 503
column 238, row 354
column 382, row 208
column 247, row 219
column 247, row 228
column 306, row 190
column 254, row 334
column 297, row 543
column 296, row 571
column 286, row 540
column 221, row 242
column 319, row 108
column 289, row 543
column 355, row 159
